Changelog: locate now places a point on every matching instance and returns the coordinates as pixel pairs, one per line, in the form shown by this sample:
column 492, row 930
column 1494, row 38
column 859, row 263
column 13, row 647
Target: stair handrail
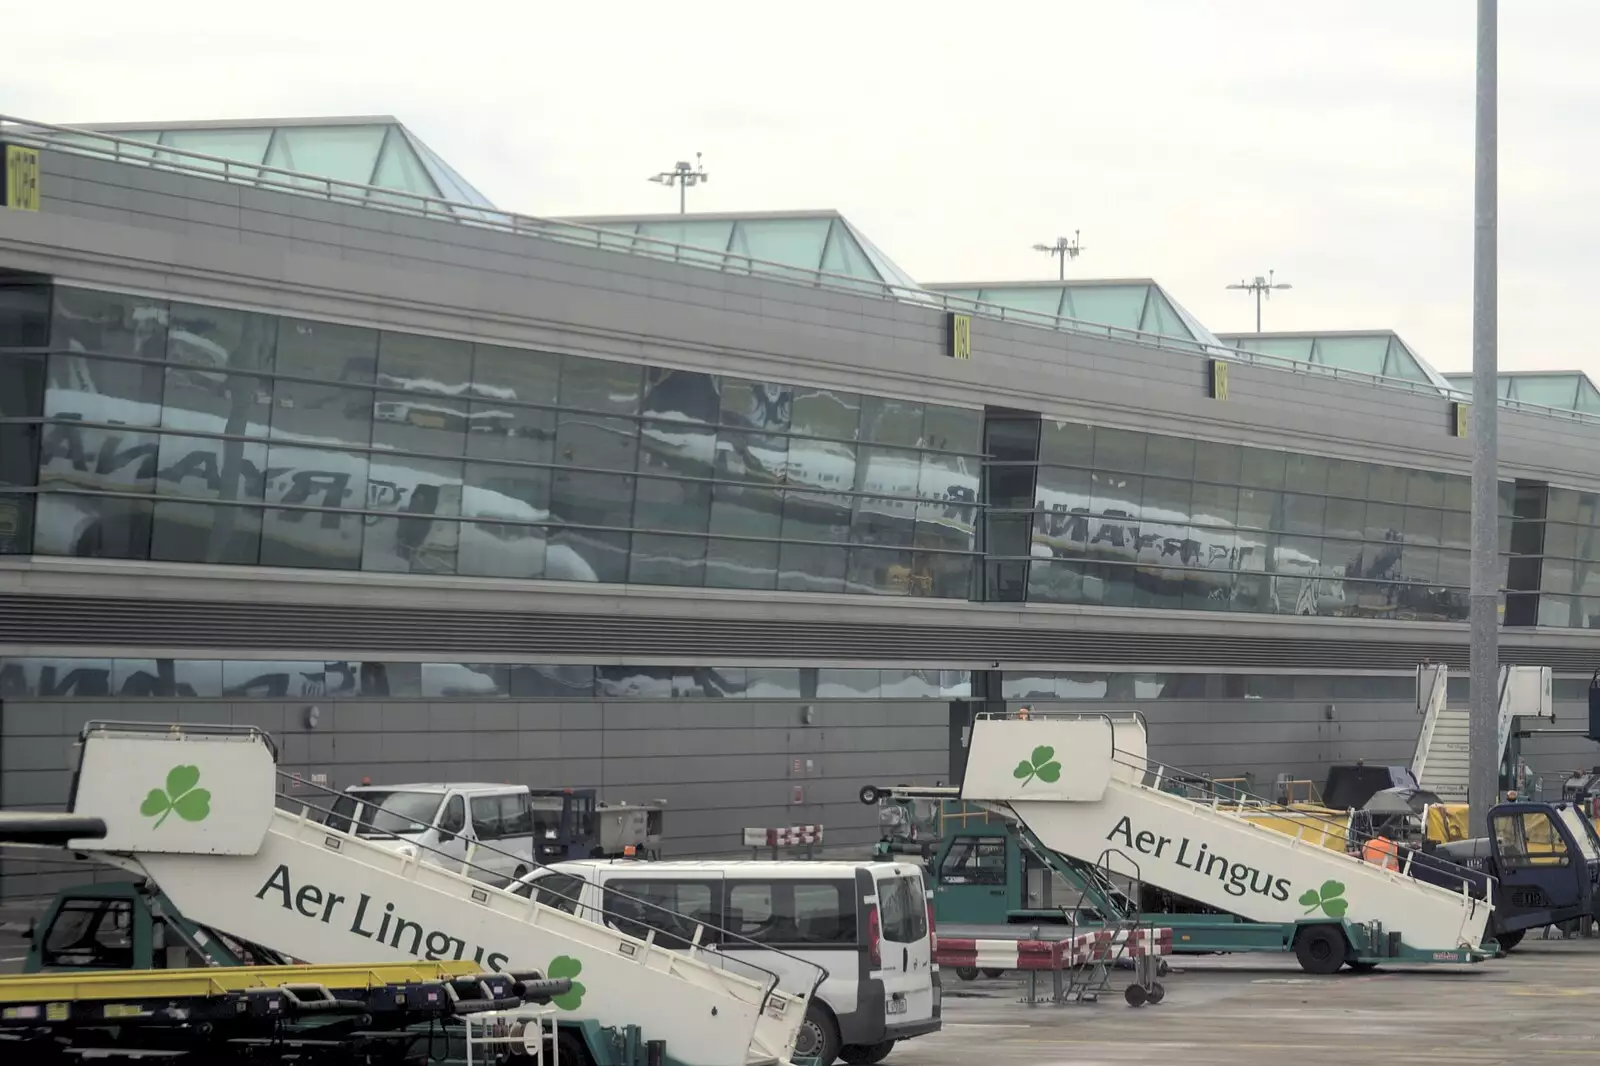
column 1438, row 696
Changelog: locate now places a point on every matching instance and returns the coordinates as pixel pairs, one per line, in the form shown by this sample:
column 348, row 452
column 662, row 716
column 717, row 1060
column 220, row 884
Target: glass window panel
column 633, row 682
column 16, row 522
column 1364, row 354
column 1063, row 524
column 1169, row 456
column 1556, row 611
column 113, row 459
column 203, row 533
column 303, row 478
column 592, row 430
column 423, row 493
column 793, row 242
column 1067, row 443
column 953, row 429
column 948, row 485
column 1262, row 469
column 886, row 572
column 1119, row 449
column 1217, row 462
column 678, row 433
column 92, row 528
column 1347, row 478
column 24, row 316
column 503, row 378
column 741, row 564
column 1425, row 487
column 1423, row 526
column 400, row 168
column 942, row 575
column 323, row 415
column 344, row 153
column 1009, row 487
column 1027, row 686
column 1159, row 587
column 1385, row 522
column 1297, row 556
column 757, row 405
column 746, row 510
column 1561, row 505
column 811, row 568
column 273, row 680
column 671, row 505
column 1419, row 564
column 581, row 499
column 889, row 421
column 106, row 323
column 1457, row 492
column 1306, row 473
column 1558, row 575
column 826, row 413
column 1107, row 305
column 1387, row 484
column 1342, row 558
column 1302, row 514
column 752, row 457
column 886, row 521
column 509, row 547
column 659, row 560
column 1061, row 581
column 1457, row 530
column 772, row 683
column 1260, row 509
column 1455, row 568
column 835, row 684
column 816, row 516
column 1561, row 540
column 1212, row 548
column 1208, row 590
column 1114, row 527
column 1164, row 523
column 1007, row 440
column 466, row 681
column 1345, row 518
column 422, row 404
column 552, row 682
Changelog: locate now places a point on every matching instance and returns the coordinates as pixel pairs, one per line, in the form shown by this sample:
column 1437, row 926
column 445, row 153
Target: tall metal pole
column 1258, row 310
column 1483, row 780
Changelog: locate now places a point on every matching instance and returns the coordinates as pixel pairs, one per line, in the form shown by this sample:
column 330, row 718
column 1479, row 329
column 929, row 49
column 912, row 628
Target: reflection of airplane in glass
column 284, row 470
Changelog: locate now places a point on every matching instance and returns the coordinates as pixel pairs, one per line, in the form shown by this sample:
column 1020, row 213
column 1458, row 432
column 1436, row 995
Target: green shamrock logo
column 1330, row 900
column 566, row 966
column 191, row 803
column 1043, row 765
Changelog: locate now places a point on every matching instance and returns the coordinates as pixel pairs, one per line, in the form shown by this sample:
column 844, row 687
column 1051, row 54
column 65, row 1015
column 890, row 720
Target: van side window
column 792, row 913
column 678, row 906
column 486, row 817
column 974, row 860
column 558, row 891
column 454, row 818
column 516, row 814
column 91, row 934
column 902, row 910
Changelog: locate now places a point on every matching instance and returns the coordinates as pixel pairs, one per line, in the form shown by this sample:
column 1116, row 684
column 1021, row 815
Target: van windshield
column 402, row 812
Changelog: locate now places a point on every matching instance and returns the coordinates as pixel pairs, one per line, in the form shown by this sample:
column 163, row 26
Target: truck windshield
column 402, row 812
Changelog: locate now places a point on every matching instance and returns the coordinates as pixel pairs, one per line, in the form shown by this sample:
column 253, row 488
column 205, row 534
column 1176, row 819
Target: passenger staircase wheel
column 866, row 1054
column 1362, row 967
column 994, row 973
column 819, row 1037
column 1135, row 995
column 1158, row 992
column 967, row 973
column 1320, row 949
column 1507, row 941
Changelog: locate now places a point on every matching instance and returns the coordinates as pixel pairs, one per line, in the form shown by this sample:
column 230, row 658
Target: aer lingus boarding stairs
column 196, row 809
column 1082, row 784
column 1442, row 759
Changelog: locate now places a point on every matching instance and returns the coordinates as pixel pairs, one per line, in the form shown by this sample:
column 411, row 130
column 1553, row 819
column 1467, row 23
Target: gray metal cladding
column 155, row 624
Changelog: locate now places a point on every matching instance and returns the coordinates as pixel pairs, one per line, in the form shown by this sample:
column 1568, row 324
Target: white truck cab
column 868, row 923
column 444, row 821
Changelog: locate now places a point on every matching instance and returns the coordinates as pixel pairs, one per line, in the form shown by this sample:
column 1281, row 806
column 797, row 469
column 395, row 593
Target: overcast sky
column 1192, row 141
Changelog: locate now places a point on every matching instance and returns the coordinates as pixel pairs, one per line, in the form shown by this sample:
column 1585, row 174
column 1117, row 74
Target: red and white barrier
column 793, row 836
column 1079, row 950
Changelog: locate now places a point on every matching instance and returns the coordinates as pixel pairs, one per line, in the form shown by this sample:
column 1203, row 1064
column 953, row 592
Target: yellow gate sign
column 960, row 335
column 22, row 178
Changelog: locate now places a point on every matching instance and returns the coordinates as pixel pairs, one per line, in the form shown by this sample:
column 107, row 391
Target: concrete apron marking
column 1444, row 1053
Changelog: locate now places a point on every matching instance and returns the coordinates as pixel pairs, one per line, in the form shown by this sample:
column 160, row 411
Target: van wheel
column 866, row 1054
column 819, row 1037
column 991, row 974
column 1320, row 949
column 967, row 973
column 1507, row 941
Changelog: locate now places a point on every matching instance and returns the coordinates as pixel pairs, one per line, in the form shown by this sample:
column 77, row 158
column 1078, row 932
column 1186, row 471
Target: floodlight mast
column 683, row 176
column 1261, row 286
column 1063, row 249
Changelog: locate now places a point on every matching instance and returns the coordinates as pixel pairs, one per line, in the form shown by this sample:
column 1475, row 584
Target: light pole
column 683, row 176
column 1261, row 286
column 1483, row 779
column 1063, row 249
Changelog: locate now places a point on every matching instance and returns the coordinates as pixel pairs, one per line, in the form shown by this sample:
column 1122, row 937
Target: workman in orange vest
column 1381, row 851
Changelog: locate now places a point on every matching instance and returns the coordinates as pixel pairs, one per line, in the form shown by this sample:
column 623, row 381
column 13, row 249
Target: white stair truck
column 1081, row 783
column 196, row 809
column 1440, row 763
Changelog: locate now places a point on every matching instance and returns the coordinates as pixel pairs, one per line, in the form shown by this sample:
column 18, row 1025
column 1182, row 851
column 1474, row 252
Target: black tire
column 571, row 1048
column 1158, row 992
column 967, row 973
column 1320, row 949
column 1135, row 995
column 521, row 872
column 1508, row 941
column 868, row 795
column 1361, row 967
column 819, row 1036
column 866, row 1054
column 992, row 974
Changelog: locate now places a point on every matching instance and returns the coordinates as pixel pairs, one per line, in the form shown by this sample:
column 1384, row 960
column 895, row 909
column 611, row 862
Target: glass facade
column 187, row 433
column 1053, row 687
column 1141, row 306
column 1384, row 354
column 1120, row 518
column 1569, row 569
column 40, row 677
column 1565, row 391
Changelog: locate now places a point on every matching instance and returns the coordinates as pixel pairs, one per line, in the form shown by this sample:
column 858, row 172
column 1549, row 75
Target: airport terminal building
column 297, row 430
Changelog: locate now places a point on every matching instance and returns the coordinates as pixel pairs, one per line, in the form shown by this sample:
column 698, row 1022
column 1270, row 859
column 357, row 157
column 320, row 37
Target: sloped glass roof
column 1133, row 304
column 375, row 151
column 1379, row 352
column 807, row 241
column 1565, row 390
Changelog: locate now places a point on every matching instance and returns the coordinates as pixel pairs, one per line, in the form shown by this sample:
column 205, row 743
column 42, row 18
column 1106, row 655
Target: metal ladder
column 1085, row 983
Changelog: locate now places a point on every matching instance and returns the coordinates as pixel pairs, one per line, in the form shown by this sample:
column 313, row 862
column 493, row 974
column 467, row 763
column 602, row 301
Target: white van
column 444, row 820
column 869, row 924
